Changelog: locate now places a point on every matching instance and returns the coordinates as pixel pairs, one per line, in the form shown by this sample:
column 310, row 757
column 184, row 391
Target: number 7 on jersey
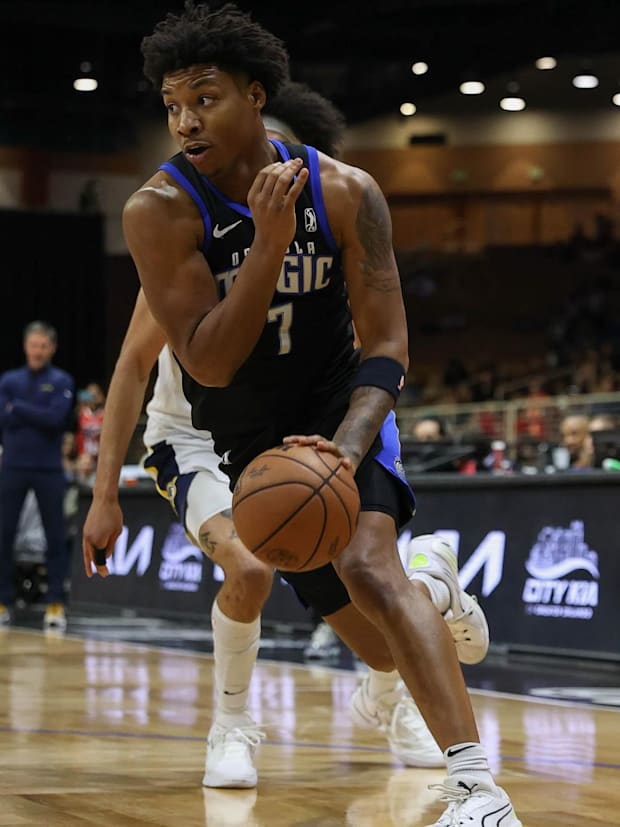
column 282, row 313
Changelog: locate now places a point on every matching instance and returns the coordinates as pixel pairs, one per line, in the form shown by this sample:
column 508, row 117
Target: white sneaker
column 323, row 643
column 431, row 554
column 230, row 751
column 55, row 617
column 397, row 717
column 474, row 803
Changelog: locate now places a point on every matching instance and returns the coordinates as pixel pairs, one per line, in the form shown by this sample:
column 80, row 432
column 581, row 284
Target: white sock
column 381, row 682
column 469, row 758
column 439, row 592
column 235, row 649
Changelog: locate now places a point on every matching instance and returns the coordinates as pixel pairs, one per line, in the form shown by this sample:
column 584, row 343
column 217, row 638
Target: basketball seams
column 238, row 501
column 322, row 479
column 344, row 508
column 334, row 473
column 294, row 513
column 336, row 469
column 327, row 481
column 320, row 540
column 289, row 459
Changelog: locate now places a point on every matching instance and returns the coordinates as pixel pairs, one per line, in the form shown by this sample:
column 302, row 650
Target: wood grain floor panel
column 95, row 733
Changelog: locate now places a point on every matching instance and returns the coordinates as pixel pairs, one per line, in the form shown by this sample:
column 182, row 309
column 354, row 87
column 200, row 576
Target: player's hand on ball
column 322, row 444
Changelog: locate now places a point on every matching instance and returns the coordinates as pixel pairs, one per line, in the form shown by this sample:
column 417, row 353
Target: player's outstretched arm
column 211, row 338
column 104, row 522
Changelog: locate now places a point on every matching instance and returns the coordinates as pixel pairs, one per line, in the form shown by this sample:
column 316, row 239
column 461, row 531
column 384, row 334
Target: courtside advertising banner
column 542, row 555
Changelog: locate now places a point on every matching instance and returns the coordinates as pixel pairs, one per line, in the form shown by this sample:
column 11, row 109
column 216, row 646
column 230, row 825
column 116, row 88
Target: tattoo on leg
column 228, row 513
column 207, row 544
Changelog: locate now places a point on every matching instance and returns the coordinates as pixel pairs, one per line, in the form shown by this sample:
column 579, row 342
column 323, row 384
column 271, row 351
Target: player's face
column 39, row 349
column 211, row 115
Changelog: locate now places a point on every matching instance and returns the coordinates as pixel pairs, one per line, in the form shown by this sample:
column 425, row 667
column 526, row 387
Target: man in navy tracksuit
column 35, row 402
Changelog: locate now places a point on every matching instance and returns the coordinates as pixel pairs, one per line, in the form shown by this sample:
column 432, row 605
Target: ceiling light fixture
column 408, row 109
column 546, row 63
column 419, row 68
column 616, row 99
column 85, row 84
column 585, row 81
column 471, row 87
column 512, row 104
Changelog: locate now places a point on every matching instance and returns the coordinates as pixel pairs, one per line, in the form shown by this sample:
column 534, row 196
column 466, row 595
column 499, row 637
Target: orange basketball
column 296, row 508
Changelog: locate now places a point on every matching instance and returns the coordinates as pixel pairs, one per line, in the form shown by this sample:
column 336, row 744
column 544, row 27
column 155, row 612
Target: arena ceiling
column 357, row 53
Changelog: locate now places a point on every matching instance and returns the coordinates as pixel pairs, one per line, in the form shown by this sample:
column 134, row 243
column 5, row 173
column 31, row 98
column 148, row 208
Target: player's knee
column 252, row 578
column 371, row 588
column 259, row 578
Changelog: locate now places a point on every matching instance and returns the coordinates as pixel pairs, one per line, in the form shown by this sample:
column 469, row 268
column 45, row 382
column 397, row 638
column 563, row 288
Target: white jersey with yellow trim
column 169, row 420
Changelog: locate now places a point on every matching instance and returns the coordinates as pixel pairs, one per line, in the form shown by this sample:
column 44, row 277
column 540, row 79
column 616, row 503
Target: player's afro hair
column 225, row 37
column 313, row 118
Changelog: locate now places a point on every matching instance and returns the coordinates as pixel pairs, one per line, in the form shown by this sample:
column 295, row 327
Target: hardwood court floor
column 101, row 733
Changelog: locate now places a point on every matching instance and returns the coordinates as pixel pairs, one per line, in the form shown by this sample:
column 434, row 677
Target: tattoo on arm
column 374, row 230
column 207, row 543
column 367, row 409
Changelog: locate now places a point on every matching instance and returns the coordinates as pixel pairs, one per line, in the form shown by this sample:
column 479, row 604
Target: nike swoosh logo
column 451, row 752
column 226, row 692
column 217, row 233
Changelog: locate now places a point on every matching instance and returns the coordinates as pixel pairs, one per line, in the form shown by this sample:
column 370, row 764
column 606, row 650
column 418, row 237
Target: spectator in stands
column 438, row 454
column 605, row 436
column 531, row 420
column 575, row 431
column 429, row 429
column 35, row 403
column 91, row 402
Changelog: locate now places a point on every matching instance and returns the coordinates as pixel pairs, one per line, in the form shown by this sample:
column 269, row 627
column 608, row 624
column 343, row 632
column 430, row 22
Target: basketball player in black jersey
column 183, row 464
column 247, row 251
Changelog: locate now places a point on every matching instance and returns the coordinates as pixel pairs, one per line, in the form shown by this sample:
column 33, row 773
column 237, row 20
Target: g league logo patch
column 310, row 220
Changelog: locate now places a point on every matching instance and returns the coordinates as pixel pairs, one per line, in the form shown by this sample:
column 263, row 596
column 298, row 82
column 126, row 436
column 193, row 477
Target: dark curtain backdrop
column 53, row 269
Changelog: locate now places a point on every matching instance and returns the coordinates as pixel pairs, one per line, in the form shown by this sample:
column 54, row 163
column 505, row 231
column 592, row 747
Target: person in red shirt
column 91, row 403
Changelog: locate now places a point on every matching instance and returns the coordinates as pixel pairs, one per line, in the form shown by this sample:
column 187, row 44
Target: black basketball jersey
column 303, row 363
